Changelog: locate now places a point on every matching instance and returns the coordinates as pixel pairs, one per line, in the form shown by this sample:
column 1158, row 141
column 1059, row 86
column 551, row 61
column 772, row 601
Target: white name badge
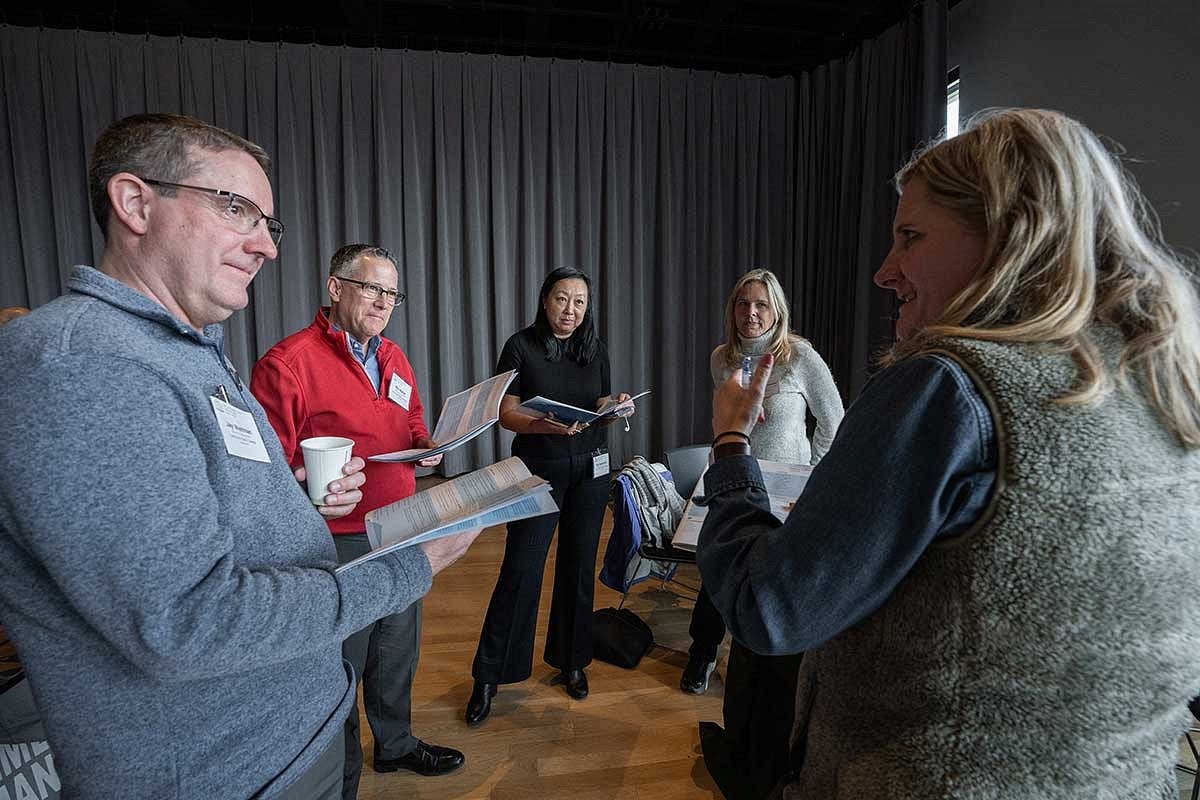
column 599, row 465
column 242, row 438
column 399, row 392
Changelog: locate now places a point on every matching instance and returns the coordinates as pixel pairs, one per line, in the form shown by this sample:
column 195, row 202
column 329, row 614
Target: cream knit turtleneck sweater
column 804, row 383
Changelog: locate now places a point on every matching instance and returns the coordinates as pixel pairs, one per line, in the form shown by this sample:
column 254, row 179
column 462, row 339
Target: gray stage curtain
column 858, row 120
column 481, row 173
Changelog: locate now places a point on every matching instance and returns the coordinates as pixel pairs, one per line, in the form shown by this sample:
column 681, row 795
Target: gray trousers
column 20, row 720
column 323, row 780
column 384, row 656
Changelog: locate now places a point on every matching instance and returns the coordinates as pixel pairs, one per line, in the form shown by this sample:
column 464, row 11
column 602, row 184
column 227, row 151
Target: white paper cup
column 324, row 457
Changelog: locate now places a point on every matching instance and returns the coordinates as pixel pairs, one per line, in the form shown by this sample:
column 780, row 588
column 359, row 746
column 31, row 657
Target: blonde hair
column 782, row 338
column 1070, row 243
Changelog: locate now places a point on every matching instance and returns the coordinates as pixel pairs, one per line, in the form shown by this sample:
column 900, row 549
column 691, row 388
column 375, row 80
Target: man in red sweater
column 340, row 377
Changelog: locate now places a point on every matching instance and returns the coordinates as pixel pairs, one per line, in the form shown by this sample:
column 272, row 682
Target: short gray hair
column 343, row 261
column 158, row 146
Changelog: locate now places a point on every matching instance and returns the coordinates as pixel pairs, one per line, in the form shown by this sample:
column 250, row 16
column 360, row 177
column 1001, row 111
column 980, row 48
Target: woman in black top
column 559, row 357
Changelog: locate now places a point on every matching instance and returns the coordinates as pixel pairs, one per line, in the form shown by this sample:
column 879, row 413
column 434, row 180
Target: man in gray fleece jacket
column 166, row 580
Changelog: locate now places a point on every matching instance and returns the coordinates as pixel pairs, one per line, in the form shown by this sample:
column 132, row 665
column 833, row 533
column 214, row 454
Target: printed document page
column 498, row 493
column 784, row 483
column 464, row 416
column 540, row 407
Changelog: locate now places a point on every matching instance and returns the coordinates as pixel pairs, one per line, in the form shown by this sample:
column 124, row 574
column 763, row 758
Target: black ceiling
column 771, row 37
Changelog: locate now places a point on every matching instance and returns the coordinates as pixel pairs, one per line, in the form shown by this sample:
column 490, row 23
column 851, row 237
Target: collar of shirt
column 357, row 348
column 366, row 356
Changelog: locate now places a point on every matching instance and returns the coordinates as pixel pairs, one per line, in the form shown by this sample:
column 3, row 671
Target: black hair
column 583, row 345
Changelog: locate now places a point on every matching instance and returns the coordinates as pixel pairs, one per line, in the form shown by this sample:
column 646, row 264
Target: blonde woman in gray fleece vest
column 989, row 571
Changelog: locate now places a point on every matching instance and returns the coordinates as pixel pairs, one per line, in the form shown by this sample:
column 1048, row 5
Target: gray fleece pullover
column 176, row 607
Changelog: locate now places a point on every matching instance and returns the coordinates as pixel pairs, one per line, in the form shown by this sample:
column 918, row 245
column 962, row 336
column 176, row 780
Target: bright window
column 952, row 103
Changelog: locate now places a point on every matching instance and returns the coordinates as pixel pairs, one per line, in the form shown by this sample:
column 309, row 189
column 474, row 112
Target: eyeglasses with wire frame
column 371, row 291
column 241, row 212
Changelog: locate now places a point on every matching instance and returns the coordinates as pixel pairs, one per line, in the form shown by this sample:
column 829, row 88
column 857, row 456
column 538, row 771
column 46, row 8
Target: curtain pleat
column 481, row 173
column 858, row 120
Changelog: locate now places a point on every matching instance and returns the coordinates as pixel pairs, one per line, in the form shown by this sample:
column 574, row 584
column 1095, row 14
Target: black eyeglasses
column 371, row 291
column 241, row 212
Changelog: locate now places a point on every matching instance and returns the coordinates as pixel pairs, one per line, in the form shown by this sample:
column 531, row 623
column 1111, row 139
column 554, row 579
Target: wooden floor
column 635, row 736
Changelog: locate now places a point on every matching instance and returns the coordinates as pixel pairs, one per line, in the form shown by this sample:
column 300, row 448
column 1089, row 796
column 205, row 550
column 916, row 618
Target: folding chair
column 687, row 464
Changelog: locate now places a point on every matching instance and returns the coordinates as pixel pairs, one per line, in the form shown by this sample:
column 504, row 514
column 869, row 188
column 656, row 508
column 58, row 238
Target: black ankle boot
column 575, row 681
column 480, row 704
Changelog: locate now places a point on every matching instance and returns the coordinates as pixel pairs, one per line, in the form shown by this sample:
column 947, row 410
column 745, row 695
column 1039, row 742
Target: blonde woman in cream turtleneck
column 759, row 704
column 756, row 323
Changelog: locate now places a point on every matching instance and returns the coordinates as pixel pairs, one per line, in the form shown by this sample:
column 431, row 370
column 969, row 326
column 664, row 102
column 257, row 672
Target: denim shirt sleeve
column 913, row 461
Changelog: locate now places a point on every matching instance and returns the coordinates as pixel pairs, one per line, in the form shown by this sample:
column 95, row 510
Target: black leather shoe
column 695, row 675
column 425, row 759
column 480, row 704
column 575, row 681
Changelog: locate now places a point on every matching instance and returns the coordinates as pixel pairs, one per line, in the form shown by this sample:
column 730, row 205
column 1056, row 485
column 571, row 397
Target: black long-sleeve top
column 563, row 381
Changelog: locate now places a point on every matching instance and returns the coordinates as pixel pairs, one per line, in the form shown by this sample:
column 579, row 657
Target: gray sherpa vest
column 1049, row 652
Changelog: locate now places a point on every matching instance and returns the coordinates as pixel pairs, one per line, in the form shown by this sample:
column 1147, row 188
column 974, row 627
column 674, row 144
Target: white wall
column 1129, row 70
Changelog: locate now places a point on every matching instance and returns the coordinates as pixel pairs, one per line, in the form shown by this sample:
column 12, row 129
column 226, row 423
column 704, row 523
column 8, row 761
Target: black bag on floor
column 620, row 636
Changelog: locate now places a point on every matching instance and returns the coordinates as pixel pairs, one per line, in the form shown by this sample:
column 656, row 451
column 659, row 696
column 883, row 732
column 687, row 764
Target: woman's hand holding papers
column 511, row 418
column 554, row 427
column 623, row 409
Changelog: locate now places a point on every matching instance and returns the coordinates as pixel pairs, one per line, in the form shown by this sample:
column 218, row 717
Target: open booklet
column 784, row 484
column 502, row 492
column 539, row 407
column 464, row 416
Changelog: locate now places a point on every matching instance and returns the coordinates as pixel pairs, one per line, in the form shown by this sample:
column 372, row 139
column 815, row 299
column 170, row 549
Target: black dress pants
column 707, row 629
column 505, row 653
column 752, row 755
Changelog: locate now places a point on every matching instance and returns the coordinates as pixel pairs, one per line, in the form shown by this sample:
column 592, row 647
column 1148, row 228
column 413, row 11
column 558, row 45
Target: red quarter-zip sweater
column 312, row 385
